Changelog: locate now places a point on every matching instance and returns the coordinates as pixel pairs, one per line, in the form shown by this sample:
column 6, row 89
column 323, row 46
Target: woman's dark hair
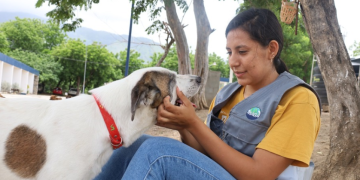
column 263, row 26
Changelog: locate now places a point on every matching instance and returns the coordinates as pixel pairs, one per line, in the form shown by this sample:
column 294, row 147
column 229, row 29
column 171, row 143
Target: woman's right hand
column 176, row 117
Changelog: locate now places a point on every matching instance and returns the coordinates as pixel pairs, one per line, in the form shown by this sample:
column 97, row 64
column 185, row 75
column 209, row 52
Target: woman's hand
column 176, row 117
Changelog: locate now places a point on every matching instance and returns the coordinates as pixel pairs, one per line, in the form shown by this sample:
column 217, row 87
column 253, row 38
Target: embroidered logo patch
column 253, row 113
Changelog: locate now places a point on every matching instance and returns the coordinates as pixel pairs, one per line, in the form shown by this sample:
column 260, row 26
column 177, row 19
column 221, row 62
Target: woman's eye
column 229, row 53
column 242, row 52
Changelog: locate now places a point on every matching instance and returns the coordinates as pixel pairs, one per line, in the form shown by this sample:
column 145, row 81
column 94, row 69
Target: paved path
column 28, row 96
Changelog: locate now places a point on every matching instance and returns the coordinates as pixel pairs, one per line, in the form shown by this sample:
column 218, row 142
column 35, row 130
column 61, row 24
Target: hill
column 114, row 42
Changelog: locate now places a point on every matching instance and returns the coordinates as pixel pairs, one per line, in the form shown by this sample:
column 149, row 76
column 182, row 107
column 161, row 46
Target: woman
column 257, row 128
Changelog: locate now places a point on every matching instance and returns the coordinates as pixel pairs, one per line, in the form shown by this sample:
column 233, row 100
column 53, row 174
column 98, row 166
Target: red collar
column 115, row 137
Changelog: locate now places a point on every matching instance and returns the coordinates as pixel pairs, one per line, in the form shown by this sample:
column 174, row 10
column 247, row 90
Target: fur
column 54, row 97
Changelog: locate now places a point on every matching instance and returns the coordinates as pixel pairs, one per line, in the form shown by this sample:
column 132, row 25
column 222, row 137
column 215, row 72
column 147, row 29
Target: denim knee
column 160, row 145
column 165, row 158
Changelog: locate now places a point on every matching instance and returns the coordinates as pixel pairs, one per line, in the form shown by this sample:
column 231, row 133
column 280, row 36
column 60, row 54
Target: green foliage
column 216, row 63
column 71, row 55
column 32, row 34
column 154, row 59
column 52, row 34
column 101, row 64
column 297, row 53
column 45, row 64
column 268, row 4
column 171, row 61
column 4, row 43
column 24, row 34
column 134, row 62
column 65, row 10
column 355, row 48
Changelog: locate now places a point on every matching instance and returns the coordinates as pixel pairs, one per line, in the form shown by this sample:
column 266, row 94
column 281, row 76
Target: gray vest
column 249, row 120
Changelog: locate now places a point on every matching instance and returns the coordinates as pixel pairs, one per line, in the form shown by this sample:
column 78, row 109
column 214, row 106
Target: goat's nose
column 198, row 80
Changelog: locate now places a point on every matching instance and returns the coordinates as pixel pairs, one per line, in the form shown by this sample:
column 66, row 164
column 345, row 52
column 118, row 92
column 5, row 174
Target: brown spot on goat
column 25, row 151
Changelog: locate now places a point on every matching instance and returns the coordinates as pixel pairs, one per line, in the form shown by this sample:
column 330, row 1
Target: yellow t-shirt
column 294, row 126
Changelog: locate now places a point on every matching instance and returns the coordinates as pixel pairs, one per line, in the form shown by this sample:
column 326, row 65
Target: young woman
column 258, row 128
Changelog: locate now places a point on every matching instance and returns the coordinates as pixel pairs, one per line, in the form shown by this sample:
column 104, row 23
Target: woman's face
column 251, row 62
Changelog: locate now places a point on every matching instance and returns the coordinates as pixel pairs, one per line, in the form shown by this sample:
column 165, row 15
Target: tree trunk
column 201, row 54
column 78, row 85
column 323, row 28
column 182, row 47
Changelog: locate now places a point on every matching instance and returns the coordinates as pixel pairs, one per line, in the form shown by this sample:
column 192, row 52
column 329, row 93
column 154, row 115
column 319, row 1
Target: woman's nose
column 233, row 61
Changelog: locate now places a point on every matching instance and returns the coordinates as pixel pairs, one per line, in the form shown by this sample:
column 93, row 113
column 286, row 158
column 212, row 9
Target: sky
column 114, row 16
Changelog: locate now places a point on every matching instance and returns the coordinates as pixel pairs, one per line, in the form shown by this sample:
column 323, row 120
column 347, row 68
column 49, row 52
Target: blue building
column 17, row 75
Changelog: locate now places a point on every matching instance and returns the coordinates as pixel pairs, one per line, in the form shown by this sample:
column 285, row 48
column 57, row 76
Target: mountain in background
column 114, row 42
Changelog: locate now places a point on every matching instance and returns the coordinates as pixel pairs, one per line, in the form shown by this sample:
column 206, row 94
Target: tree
column 201, row 53
column 203, row 33
column 355, row 48
column 134, row 62
column 32, row 34
column 4, row 43
column 173, row 22
column 52, row 34
column 340, row 81
column 169, row 41
column 49, row 69
column 171, row 61
column 101, row 64
column 297, row 52
column 71, row 55
column 216, row 63
column 64, row 11
column 182, row 47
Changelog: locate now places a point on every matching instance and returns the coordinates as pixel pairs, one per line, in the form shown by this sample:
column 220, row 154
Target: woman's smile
column 239, row 74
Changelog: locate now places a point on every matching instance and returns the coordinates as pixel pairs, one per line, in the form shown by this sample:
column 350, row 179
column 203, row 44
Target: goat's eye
column 191, row 80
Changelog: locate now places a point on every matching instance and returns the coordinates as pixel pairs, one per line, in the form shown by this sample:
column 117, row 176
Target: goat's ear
column 137, row 95
column 157, row 98
column 163, row 85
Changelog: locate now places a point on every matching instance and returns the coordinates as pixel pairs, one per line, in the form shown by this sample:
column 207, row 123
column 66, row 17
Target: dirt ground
column 321, row 145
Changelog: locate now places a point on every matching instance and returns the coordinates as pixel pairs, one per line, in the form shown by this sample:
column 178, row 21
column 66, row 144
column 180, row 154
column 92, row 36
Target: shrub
column 5, row 86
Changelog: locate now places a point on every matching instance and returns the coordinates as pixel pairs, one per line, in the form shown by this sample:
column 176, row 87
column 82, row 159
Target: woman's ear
column 273, row 48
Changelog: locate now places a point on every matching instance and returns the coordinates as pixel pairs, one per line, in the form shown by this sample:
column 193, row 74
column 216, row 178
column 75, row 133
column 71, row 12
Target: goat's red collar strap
column 115, row 137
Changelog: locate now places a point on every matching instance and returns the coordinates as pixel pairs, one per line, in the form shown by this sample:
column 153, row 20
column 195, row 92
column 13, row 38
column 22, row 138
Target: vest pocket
column 243, row 135
column 215, row 124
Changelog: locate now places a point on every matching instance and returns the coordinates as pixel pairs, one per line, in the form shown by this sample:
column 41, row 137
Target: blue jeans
column 161, row 158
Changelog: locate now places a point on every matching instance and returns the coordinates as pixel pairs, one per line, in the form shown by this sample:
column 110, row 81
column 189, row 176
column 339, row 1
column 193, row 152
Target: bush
column 5, row 87
column 15, row 86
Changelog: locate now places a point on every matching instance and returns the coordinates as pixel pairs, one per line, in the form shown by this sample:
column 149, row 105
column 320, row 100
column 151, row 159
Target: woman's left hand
column 176, row 117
